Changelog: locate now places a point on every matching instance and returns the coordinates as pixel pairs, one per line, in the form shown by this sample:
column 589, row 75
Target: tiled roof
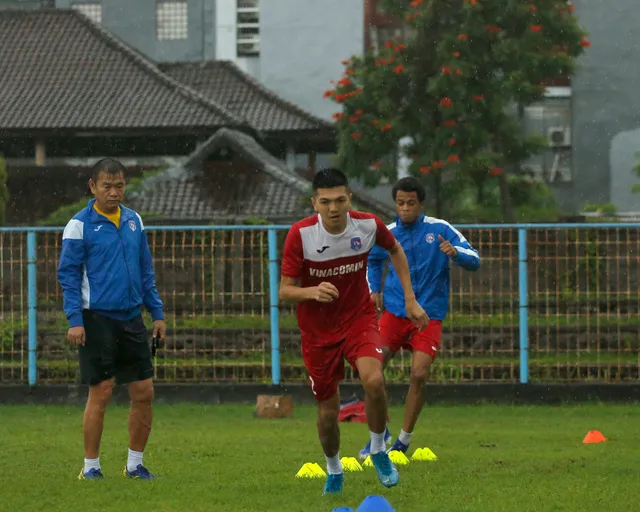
column 268, row 190
column 223, row 82
column 60, row 70
column 185, row 199
column 251, row 151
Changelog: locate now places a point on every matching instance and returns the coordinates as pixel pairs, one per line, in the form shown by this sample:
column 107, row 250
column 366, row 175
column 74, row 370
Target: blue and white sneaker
column 92, row 474
column 364, row 453
column 334, row 484
column 387, row 472
column 141, row 473
column 399, row 446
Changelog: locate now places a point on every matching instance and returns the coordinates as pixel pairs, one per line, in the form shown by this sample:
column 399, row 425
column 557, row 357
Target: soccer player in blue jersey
column 430, row 244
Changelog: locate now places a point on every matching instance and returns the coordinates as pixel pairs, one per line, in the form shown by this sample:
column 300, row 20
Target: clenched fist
column 324, row 292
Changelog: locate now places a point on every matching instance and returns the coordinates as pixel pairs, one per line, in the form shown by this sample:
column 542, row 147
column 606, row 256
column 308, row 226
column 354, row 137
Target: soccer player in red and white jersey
column 324, row 270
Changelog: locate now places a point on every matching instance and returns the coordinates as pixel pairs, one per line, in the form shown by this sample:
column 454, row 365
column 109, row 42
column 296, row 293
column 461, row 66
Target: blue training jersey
column 428, row 265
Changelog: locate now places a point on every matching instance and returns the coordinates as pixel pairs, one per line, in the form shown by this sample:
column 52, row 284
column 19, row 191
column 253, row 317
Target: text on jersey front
column 336, row 271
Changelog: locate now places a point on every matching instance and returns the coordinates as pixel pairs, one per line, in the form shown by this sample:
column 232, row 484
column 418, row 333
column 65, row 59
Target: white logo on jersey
column 336, row 271
column 379, row 350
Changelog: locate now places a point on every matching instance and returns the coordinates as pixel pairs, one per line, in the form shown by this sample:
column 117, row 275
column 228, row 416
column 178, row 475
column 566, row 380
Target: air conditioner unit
column 559, row 136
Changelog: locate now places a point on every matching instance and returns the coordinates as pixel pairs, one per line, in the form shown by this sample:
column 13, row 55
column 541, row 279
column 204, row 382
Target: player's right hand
column 76, row 335
column 376, row 297
column 416, row 314
column 324, row 292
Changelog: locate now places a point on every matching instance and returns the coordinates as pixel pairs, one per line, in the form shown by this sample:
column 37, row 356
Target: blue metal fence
column 524, row 304
column 272, row 231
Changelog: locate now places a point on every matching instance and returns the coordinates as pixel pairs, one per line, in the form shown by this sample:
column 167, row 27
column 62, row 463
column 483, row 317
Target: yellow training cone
column 424, row 454
column 399, row 458
column 309, row 471
column 318, row 469
column 367, row 462
column 351, row 464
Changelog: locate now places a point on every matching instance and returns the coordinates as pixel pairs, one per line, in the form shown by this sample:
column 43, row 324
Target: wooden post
column 41, row 152
column 312, row 160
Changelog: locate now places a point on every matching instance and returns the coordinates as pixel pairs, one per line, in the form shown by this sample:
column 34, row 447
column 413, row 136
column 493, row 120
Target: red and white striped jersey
column 312, row 255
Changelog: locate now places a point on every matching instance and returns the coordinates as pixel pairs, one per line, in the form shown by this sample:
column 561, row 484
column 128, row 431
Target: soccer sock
column 91, row 464
column 134, row 459
column 404, row 437
column 334, row 466
column 377, row 442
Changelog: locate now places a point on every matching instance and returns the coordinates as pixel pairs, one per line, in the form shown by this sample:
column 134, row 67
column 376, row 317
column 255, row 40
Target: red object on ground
column 353, row 412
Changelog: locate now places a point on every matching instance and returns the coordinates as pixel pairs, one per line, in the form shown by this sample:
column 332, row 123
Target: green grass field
column 220, row 458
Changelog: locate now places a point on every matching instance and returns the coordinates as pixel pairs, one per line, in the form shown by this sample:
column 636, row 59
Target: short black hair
column 410, row 184
column 329, row 178
column 109, row 166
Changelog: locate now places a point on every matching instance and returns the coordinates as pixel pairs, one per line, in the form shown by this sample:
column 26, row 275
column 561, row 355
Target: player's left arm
column 456, row 246
column 150, row 295
column 386, row 240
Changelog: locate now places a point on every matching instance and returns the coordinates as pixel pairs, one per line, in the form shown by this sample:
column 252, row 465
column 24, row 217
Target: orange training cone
column 594, row 436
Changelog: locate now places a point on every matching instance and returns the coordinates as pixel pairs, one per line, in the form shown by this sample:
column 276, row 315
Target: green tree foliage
column 454, row 87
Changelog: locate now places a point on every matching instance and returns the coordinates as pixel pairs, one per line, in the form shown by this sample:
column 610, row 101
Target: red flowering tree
column 449, row 88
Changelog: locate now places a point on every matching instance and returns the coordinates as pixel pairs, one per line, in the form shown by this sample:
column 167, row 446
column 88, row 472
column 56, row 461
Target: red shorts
column 325, row 363
column 397, row 333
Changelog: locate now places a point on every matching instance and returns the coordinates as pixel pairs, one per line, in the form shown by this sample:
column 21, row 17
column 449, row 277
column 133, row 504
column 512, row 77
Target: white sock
column 134, row 459
column 91, row 464
column 377, row 442
column 334, row 466
column 404, row 437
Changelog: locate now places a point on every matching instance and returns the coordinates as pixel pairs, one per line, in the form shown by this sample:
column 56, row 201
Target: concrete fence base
column 450, row 394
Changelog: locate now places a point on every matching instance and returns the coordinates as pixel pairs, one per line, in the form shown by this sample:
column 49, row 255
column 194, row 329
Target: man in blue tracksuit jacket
column 429, row 244
column 106, row 274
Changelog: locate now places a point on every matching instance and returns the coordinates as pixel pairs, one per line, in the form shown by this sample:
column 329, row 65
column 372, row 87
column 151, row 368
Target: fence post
column 32, row 292
column 524, row 306
column 273, row 303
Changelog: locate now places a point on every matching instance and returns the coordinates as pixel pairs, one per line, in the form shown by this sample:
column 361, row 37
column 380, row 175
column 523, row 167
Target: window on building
column 248, row 28
column 551, row 118
column 172, row 20
column 93, row 11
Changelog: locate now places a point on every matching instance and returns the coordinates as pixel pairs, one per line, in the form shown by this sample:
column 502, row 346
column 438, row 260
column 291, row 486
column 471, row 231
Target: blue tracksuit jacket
column 106, row 269
column 429, row 266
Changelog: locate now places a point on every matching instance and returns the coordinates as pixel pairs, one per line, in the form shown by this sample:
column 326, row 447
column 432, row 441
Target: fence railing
column 551, row 302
